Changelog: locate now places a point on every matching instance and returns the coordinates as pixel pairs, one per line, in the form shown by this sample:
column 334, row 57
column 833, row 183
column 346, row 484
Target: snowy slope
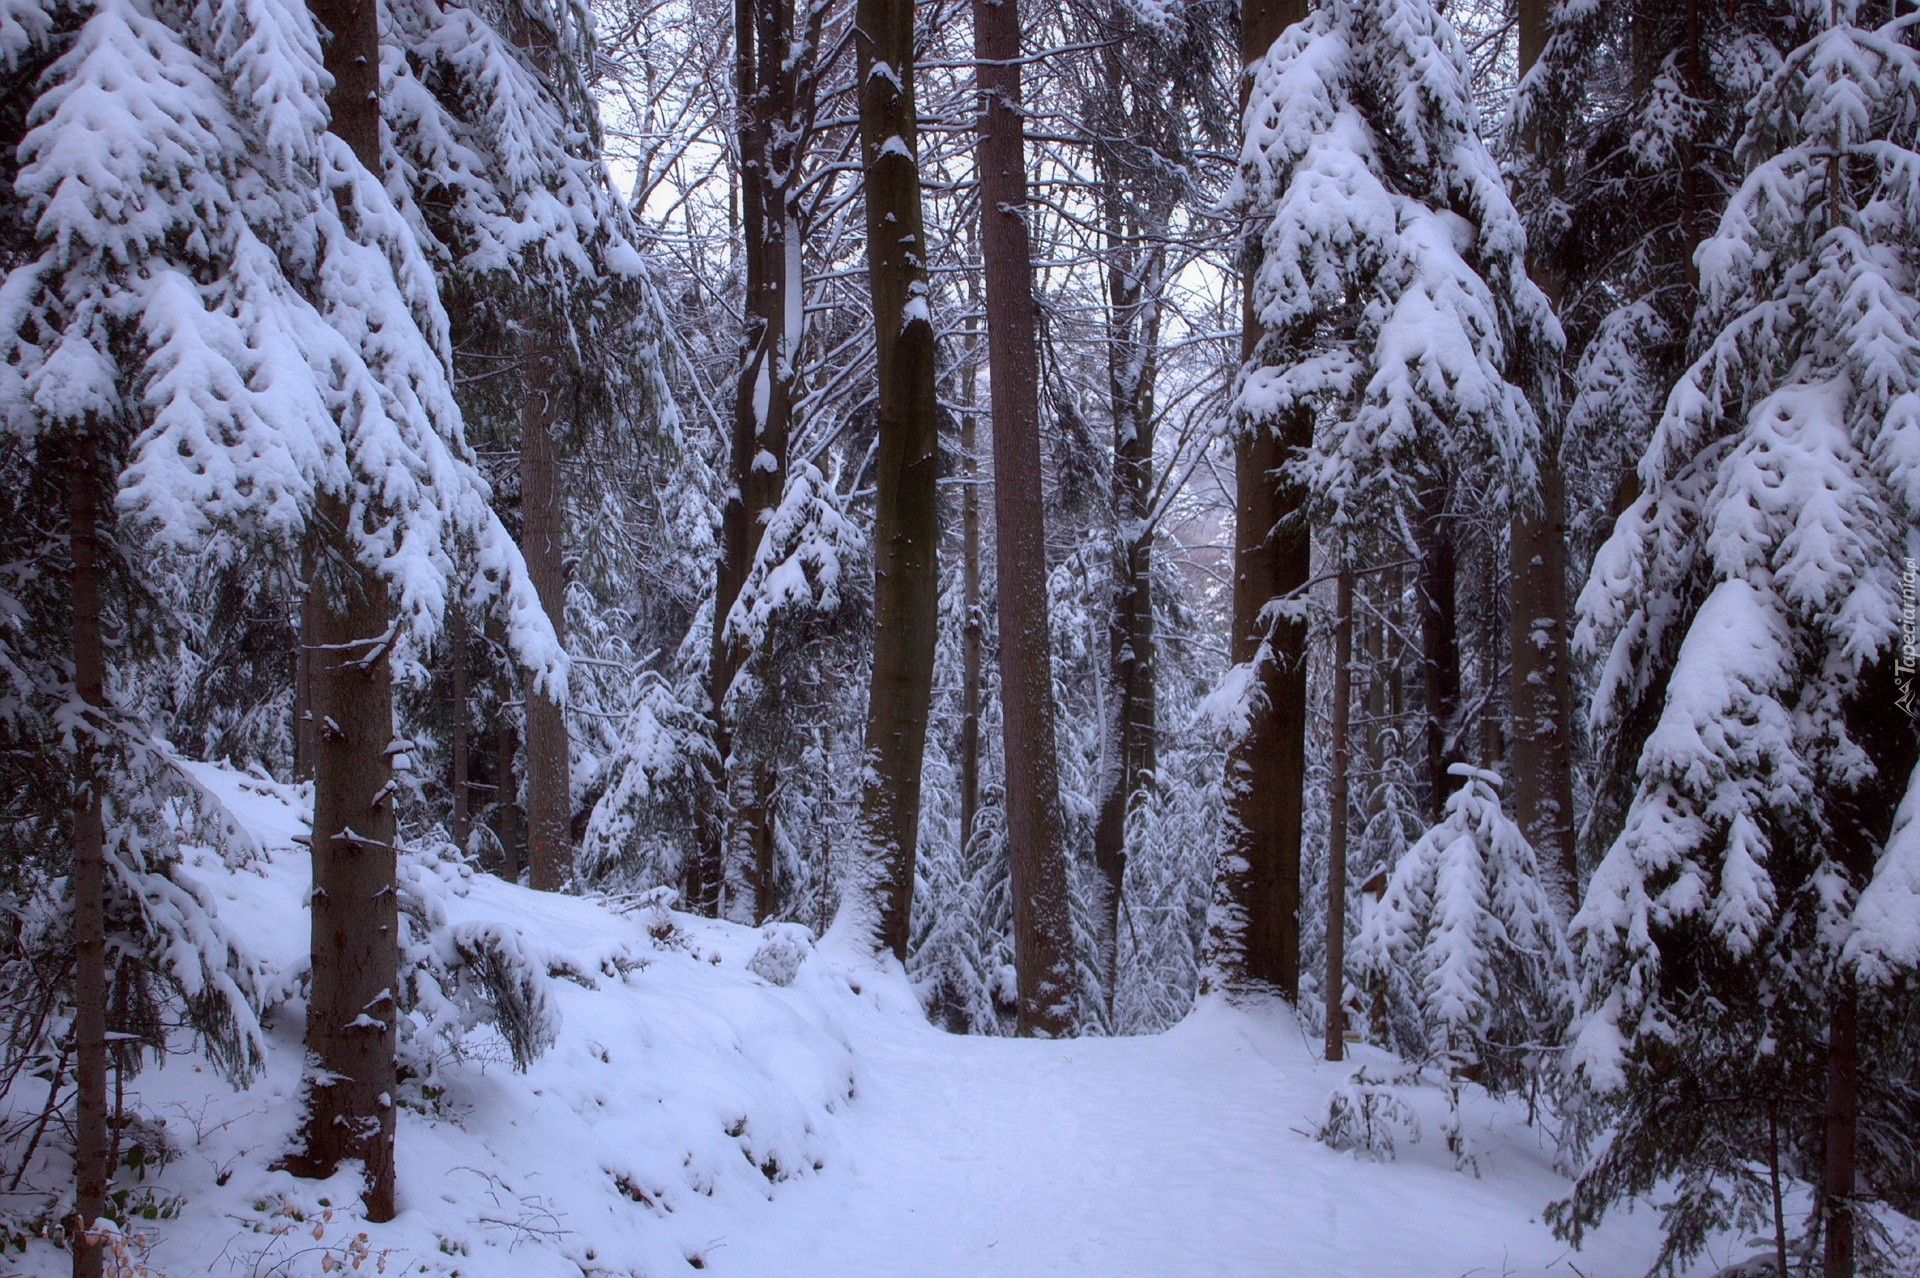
column 693, row 1115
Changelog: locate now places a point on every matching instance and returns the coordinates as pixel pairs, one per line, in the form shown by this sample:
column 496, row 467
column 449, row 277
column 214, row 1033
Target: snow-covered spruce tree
column 1392, row 295
column 1750, row 932
column 656, row 751
column 1621, row 134
column 1464, row 948
column 799, row 616
column 236, row 316
column 111, row 214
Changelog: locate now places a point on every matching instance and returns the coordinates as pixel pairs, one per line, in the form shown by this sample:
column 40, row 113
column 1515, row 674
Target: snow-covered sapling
column 1464, row 945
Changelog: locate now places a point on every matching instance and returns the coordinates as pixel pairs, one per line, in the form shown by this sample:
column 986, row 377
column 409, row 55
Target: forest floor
column 694, row 1114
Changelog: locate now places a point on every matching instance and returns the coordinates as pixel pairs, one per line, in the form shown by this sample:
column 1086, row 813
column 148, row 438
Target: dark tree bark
column 509, row 823
column 302, row 680
column 1488, row 641
column 1376, row 726
column 351, row 1010
column 906, row 525
column 762, row 851
column 1042, row 926
column 355, row 954
column 462, row 765
column 1255, row 941
column 542, row 534
column 1540, row 693
column 509, row 818
column 1842, row 1129
column 1439, row 644
column 970, row 588
column 1338, row 791
column 91, row 1167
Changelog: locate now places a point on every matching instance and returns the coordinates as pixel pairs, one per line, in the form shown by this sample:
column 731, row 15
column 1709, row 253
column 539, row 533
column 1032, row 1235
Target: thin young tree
column 973, row 624
column 1750, row 603
column 1146, row 101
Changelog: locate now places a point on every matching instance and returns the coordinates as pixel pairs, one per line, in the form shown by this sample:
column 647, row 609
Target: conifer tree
column 498, row 139
column 1465, row 946
column 1395, row 317
column 1623, row 129
column 1740, row 933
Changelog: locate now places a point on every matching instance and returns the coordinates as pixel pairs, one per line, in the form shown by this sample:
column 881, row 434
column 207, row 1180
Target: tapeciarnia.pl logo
column 1908, row 659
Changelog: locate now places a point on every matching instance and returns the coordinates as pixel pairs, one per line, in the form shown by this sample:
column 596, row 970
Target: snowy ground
column 693, row 1115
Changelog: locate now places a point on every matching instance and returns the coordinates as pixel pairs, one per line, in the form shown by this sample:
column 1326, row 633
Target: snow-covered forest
column 824, row 637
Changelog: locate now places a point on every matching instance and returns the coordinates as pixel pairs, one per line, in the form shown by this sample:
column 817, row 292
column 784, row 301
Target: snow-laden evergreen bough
column 1761, row 901
column 216, row 273
column 1392, row 292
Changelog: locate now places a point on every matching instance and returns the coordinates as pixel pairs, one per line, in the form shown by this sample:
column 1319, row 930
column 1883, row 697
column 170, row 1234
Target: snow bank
column 683, row 1089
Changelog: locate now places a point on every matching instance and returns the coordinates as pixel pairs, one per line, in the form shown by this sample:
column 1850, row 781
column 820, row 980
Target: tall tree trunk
column 1439, row 644
column 1373, row 644
column 1492, row 747
column 768, row 83
column 351, row 1011
column 509, row 825
column 1255, row 927
column 905, row 523
column 90, row 1159
column 1539, row 687
column 1842, row 1128
column 1135, row 286
column 543, row 529
column 302, row 683
column 462, row 762
column 1337, row 796
column 970, row 588
column 749, row 829
column 765, row 894
column 1540, row 693
column 355, row 951
column 1042, row 924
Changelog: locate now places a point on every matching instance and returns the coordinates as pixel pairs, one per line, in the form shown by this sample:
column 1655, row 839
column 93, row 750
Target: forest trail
column 1182, row 1154
column 875, row 1145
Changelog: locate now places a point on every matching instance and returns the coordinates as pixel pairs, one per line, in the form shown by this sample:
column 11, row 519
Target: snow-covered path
column 1184, row 1154
column 695, row 1115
